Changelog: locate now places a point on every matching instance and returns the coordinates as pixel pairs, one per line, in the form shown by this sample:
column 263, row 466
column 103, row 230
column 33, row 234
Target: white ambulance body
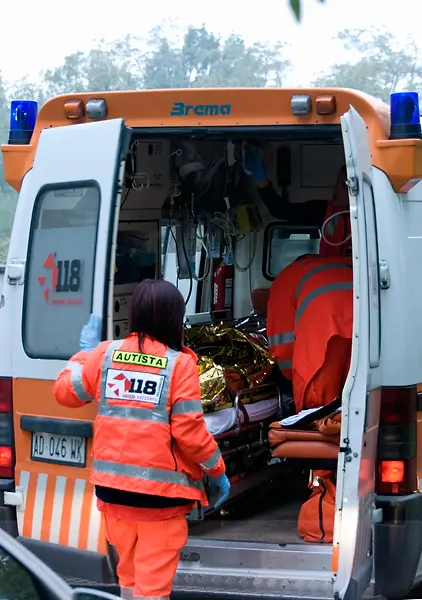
column 76, row 203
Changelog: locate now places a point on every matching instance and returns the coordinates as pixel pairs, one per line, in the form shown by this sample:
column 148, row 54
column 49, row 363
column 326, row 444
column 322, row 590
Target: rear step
column 255, row 569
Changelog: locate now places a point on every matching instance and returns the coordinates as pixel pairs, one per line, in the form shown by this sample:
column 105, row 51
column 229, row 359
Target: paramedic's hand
column 254, row 165
column 220, row 488
column 90, row 334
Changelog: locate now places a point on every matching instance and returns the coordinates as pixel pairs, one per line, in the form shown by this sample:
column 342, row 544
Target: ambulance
column 109, row 183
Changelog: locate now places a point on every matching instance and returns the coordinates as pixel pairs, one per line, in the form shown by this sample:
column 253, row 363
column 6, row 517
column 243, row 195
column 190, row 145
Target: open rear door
column 67, row 212
column 58, row 272
column 352, row 550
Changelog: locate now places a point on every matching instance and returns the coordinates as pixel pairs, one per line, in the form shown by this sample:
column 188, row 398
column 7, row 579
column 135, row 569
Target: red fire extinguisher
column 223, row 284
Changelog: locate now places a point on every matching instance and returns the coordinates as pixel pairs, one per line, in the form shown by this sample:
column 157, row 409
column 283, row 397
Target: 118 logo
column 66, row 276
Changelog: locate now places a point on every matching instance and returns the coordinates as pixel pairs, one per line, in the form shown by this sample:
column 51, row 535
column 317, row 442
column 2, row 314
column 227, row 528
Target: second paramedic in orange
column 309, row 326
column 151, row 446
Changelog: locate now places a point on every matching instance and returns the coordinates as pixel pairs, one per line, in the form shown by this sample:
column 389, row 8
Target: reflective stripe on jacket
column 150, row 434
column 311, row 297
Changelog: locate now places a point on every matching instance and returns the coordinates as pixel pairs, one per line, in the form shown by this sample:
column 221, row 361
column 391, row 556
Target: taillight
column 7, row 462
column 396, row 471
column 392, row 471
column 5, row 395
column 7, row 454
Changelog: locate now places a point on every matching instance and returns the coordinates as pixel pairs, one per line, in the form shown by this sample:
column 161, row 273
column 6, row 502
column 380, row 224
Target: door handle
column 15, row 271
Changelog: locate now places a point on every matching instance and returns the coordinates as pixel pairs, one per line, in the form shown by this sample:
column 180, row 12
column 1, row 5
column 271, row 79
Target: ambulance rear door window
column 60, row 270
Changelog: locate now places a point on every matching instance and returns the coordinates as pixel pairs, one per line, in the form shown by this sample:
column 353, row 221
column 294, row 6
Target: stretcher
column 322, row 443
column 242, row 436
column 264, row 403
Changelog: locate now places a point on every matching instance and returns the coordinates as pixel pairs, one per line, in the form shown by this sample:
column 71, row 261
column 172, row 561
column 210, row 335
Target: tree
column 110, row 66
column 204, row 60
column 7, row 195
column 383, row 66
column 201, row 60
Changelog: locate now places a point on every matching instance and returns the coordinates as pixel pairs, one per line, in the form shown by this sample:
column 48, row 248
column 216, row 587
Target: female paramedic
column 151, row 447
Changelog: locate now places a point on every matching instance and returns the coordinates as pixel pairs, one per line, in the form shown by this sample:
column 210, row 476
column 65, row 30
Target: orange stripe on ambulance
column 60, row 510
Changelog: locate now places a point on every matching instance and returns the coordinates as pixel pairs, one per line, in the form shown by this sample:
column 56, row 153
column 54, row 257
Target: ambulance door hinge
column 352, row 183
column 14, row 499
column 384, row 275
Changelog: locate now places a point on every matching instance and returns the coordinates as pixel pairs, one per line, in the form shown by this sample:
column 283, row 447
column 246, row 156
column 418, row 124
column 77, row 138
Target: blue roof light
column 404, row 113
column 23, row 116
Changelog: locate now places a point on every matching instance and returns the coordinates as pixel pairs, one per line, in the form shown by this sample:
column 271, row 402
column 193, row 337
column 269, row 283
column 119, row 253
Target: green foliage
column 110, row 66
column 382, row 66
column 7, row 195
column 201, row 60
column 377, row 65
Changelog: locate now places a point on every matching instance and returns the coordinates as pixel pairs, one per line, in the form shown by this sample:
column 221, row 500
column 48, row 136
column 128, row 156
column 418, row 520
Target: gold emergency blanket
column 229, row 360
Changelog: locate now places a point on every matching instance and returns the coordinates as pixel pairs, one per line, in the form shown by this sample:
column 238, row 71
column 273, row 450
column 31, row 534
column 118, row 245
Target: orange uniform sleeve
column 78, row 383
column 281, row 313
column 187, row 421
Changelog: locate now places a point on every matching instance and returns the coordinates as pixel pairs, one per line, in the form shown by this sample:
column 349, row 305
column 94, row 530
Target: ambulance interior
column 187, row 203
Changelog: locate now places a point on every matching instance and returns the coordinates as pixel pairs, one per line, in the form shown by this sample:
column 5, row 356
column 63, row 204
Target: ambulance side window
column 60, row 270
column 284, row 243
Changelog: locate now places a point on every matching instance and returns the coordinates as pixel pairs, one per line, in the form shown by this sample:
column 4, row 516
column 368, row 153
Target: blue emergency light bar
column 23, row 116
column 404, row 116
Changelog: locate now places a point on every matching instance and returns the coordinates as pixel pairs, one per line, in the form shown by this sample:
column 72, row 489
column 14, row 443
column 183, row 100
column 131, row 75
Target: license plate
column 63, row 449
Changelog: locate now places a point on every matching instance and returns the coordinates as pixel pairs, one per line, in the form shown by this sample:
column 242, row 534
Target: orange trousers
column 328, row 382
column 148, row 554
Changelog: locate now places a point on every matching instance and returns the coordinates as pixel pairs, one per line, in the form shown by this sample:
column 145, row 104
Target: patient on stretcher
column 236, row 376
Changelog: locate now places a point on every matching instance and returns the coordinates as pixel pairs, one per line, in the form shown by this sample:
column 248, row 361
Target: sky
column 37, row 35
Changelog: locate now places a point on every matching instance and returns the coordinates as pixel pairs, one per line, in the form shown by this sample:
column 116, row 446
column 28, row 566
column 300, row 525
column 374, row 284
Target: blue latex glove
column 254, row 164
column 220, row 489
column 90, row 334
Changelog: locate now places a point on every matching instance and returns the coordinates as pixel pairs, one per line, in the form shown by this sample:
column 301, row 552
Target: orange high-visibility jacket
column 337, row 230
column 312, row 299
column 150, row 434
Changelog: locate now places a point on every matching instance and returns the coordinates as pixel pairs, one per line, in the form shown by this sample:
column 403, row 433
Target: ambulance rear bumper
column 72, row 563
column 397, row 544
column 8, row 520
